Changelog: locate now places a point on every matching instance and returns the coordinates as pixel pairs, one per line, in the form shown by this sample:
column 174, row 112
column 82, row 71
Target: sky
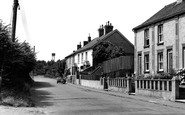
column 57, row 26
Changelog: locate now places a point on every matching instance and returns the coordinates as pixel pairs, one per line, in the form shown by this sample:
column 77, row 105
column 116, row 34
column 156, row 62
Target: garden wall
column 167, row 89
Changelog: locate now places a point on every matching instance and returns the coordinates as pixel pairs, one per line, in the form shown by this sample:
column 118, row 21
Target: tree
column 17, row 59
column 40, row 68
column 61, row 66
column 106, row 50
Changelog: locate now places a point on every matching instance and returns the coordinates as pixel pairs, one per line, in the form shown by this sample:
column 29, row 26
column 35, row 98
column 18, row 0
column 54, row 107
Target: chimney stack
column 53, row 57
column 108, row 27
column 101, row 31
column 79, row 46
column 89, row 38
column 85, row 43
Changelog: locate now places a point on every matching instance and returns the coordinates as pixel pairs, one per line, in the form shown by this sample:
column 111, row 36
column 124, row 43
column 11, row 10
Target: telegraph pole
column 14, row 20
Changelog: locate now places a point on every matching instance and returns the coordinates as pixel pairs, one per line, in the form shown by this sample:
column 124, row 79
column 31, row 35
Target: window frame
column 86, row 56
column 82, row 58
column 78, row 58
column 160, row 62
column 160, row 35
column 146, row 64
column 146, row 38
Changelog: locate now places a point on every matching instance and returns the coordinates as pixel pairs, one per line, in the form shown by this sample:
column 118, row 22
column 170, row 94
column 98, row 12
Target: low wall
column 118, row 84
column 90, row 83
column 167, row 89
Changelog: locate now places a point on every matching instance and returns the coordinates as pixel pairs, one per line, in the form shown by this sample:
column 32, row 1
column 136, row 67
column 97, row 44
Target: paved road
column 59, row 99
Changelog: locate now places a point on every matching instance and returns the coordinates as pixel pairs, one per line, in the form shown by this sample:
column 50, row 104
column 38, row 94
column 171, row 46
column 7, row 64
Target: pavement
column 179, row 104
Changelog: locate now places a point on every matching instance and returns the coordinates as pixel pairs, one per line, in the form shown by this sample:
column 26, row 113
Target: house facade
column 160, row 41
column 83, row 56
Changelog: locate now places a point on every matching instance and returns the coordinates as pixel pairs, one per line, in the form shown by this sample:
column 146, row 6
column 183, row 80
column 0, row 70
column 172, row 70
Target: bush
column 163, row 75
column 17, row 60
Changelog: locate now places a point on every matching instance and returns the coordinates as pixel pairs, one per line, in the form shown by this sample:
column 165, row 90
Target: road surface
column 59, row 99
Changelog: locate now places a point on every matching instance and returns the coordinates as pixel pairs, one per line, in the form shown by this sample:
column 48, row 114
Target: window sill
column 146, row 71
column 146, row 46
column 161, row 71
column 161, row 43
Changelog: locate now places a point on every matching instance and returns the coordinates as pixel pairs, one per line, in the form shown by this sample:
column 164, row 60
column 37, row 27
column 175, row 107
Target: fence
column 118, row 84
column 167, row 89
column 123, row 62
column 119, row 66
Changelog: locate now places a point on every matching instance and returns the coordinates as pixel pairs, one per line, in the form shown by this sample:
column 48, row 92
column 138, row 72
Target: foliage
column 50, row 69
column 17, row 59
column 181, row 74
column 163, row 75
column 40, row 67
column 106, row 50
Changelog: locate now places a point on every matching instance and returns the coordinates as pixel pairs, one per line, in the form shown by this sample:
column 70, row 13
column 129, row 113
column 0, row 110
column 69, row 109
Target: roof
column 169, row 11
column 93, row 43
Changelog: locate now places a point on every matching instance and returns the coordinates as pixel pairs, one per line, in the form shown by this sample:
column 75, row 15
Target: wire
column 24, row 21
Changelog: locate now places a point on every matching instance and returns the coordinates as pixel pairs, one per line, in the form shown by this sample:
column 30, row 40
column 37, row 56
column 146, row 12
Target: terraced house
column 160, row 41
column 83, row 56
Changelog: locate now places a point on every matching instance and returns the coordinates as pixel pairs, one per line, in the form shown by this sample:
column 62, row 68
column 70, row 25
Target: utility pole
column 14, row 20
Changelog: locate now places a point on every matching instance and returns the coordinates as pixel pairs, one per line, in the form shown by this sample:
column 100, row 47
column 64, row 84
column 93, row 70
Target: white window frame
column 160, row 34
column 160, row 62
column 86, row 56
column 146, row 63
column 146, row 37
column 82, row 58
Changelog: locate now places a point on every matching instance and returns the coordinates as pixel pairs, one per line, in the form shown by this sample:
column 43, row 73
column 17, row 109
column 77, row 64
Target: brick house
column 84, row 54
column 160, row 41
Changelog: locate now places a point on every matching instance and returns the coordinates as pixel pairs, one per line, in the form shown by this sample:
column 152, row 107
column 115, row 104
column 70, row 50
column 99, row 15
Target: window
column 183, row 61
column 86, row 56
column 146, row 38
column 146, row 62
column 78, row 58
column 160, row 35
column 82, row 58
column 160, row 61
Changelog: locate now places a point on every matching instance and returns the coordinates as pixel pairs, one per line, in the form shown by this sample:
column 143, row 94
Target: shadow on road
column 40, row 95
column 41, row 84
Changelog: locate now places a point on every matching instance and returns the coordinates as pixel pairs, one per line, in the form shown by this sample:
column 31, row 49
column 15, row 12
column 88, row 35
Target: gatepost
column 129, row 85
column 175, row 88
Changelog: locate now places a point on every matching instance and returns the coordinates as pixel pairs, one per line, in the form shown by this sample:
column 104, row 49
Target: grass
column 15, row 98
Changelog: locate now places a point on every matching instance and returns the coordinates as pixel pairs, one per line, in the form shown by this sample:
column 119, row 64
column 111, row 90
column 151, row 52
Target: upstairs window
column 82, row 58
column 146, row 38
column 160, row 35
column 78, row 58
column 86, row 56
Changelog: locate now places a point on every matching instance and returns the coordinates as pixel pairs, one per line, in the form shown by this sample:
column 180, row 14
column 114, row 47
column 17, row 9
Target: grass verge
column 16, row 98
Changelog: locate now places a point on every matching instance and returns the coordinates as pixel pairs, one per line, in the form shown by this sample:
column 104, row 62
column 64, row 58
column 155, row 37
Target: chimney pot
column 108, row 28
column 89, row 38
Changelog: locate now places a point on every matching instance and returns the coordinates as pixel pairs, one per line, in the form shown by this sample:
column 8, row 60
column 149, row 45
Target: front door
column 139, row 64
column 170, row 61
